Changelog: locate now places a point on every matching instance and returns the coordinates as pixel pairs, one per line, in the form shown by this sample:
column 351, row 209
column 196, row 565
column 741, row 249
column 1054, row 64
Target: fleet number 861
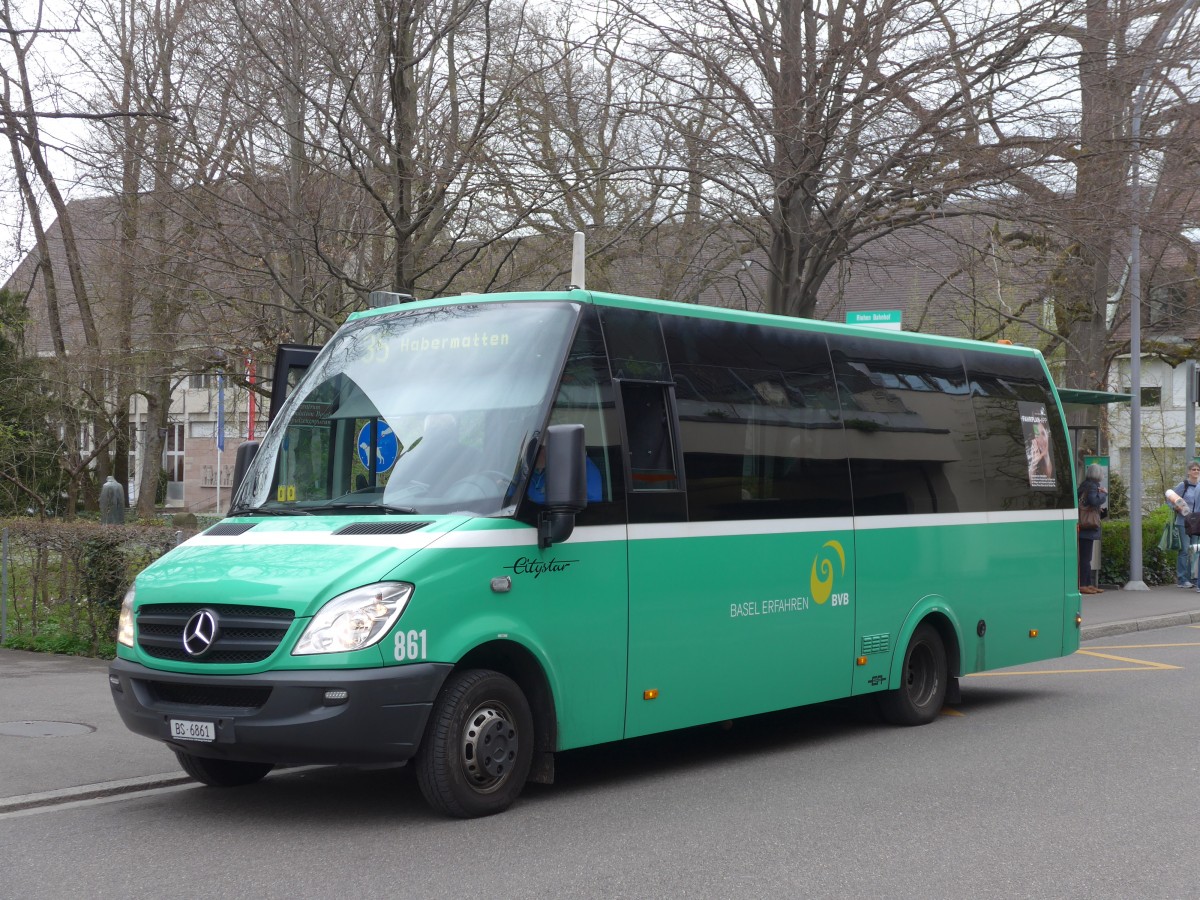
column 410, row 645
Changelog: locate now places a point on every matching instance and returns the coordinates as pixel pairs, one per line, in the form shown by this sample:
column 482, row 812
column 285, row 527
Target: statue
column 112, row 502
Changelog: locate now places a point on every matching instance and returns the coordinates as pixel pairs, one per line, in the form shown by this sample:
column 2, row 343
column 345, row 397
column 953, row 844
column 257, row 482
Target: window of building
column 1167, row 304
column 173, row 452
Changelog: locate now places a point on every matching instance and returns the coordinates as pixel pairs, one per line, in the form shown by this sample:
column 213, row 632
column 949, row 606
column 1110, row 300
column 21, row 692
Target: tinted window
column 1024, row 448
column 652, row 464
column 585, row 396
column 910, row 429
column 758, row 421
column 635, row 345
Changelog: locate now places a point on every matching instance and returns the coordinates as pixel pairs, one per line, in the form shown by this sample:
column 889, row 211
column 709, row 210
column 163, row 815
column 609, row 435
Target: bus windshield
column 417, row 411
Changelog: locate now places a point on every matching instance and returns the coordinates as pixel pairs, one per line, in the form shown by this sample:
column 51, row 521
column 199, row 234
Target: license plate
column 187, row 730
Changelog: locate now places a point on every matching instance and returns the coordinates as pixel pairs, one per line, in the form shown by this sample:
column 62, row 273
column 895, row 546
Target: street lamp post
column 1135, row 582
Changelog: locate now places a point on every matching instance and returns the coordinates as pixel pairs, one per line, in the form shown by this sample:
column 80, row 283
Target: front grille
column 208, row 695
column 246, row 634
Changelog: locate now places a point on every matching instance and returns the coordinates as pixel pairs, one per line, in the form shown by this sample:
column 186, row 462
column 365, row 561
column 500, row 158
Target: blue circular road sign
column 387, row 448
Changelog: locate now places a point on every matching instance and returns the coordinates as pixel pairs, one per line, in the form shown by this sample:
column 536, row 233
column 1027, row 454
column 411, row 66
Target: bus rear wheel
column 478, row 746
column 222, row 772
column 923, row 675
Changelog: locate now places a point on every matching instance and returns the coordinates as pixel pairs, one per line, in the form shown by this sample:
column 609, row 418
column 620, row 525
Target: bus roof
column 673, row 308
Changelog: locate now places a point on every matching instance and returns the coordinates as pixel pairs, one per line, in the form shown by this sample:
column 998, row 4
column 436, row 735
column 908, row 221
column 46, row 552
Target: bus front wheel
column 478, row 746
column 923, row 675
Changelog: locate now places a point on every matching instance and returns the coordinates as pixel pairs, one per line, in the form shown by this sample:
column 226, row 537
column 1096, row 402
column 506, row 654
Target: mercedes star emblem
column 200, row 632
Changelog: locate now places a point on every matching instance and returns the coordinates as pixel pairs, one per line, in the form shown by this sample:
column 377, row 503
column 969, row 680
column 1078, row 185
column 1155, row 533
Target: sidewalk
column 1118, row 611
column 61, row 738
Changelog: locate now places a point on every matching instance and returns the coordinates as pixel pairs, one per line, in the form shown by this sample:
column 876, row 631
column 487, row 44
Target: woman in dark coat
column 1090, row 494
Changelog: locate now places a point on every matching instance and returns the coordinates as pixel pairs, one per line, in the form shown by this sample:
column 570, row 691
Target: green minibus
column 482, row 530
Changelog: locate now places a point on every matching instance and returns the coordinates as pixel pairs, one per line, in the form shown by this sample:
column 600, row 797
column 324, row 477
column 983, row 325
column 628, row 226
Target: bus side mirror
column 566, row 484
column 245, row 455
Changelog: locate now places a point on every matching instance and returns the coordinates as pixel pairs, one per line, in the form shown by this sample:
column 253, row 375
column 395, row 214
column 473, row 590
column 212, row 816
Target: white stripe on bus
column 524, row 537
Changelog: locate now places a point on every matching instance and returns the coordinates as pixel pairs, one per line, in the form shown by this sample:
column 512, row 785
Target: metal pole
column 1135, row 582
column 1135, row 311
column 1189, row 412
column 4, row 587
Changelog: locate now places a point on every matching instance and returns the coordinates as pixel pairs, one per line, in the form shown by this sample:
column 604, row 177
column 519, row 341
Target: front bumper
column 285, row 717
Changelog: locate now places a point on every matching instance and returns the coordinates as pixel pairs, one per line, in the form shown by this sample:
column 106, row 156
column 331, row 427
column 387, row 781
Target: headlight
column 355, row 620
column 125, row 623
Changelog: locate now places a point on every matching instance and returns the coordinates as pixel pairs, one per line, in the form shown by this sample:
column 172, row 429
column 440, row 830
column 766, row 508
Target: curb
column 1149, row 623
column 90, row 791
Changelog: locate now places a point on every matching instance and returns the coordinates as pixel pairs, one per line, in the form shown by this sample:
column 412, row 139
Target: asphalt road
column 1074, row 778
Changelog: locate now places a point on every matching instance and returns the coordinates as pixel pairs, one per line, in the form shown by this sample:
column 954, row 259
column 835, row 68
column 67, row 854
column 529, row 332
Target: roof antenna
column 577, row 256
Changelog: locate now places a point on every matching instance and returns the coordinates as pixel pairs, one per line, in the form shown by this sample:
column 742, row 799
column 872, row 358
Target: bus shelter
column 1085, row 438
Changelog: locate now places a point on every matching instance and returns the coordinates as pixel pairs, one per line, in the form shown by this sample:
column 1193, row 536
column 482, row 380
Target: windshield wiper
column 266, row 511
column 368, row 507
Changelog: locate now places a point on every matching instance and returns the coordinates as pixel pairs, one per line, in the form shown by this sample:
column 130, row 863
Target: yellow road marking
column 1139, row 665
column 1140, row 646
column 947, row 711
column 1141, row 662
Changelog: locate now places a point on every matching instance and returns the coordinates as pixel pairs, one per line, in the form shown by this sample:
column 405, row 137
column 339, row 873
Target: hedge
column 1158, row 567
column 66, row 581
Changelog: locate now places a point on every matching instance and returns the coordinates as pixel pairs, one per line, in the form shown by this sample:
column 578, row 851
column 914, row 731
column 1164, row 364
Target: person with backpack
column 1188, row 492
column 1091, row 498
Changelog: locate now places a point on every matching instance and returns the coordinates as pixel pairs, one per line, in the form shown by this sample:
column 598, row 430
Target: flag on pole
column 220, row 413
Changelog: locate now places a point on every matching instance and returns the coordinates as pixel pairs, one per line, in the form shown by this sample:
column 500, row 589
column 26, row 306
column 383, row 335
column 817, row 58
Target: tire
column 922, row 692
column 478, row 745
column 222, row 772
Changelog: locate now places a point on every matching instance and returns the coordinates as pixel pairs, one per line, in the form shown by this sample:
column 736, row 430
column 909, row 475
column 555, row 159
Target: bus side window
column 648, row 425
column 910, row 427
column 1000, row 387
column 759, row 424
column 585, row 396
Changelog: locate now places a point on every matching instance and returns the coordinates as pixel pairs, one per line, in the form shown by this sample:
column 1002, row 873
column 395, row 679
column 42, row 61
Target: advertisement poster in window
column 1039, row 452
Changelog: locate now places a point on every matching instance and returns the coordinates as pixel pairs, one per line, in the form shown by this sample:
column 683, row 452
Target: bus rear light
column 861, row 661
column 1078, row 620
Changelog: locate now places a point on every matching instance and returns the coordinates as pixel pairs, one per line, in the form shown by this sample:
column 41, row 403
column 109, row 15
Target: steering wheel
column 483, row 484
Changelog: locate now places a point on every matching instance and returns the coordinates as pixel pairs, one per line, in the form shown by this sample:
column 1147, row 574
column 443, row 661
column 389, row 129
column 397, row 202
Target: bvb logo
column 820, row 582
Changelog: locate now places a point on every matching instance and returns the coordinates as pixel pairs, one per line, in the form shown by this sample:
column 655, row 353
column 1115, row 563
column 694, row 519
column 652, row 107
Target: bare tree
column 846, row 121
column 386, row 114
column 85, row 429
column 167, row 290
column 596, row 141
column 1070, row 203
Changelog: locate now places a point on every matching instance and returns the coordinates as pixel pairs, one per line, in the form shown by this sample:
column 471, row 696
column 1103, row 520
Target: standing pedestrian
column 1189, row 493
column 1091, row 497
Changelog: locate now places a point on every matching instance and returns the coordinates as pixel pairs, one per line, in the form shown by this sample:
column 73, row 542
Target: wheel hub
column 489, row 746
column 922, row 677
